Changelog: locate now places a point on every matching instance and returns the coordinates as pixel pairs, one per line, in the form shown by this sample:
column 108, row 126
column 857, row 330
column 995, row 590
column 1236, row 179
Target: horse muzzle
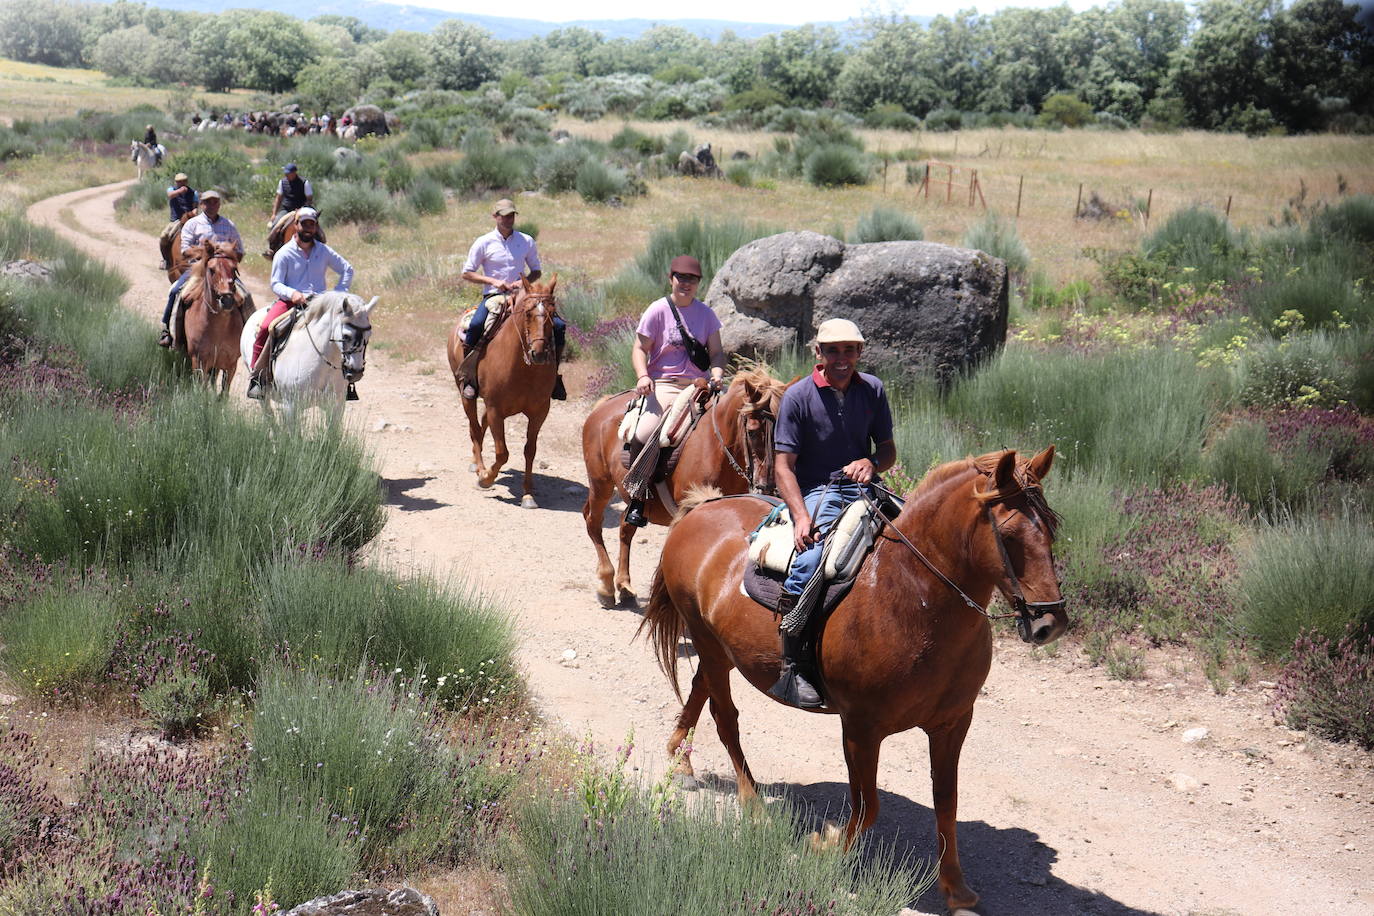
column 1041, row 622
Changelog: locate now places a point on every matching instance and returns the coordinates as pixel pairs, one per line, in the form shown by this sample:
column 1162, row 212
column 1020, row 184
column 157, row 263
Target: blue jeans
column 479, row 321
column 172, row 297
column 824, row 513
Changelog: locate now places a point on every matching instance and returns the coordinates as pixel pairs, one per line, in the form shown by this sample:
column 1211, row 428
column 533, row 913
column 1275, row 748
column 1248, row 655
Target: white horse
column 325, row 353
column 143, row 155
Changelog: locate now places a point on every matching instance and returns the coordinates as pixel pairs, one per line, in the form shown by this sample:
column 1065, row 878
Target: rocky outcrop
column 405, row 901
column 368, row 119
column 931, row 309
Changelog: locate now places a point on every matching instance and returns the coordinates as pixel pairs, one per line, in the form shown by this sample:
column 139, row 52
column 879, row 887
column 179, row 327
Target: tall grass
column 1136, row 415
column 997, row 235
column 354, row 202
column 59, row 642
column 649, row 857
column 1200, row 240
column 885, row 224
column 709, row 241
column 1307, row 573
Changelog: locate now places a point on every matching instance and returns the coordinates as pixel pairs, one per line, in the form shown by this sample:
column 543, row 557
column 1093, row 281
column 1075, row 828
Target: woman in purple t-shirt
column 663, row 366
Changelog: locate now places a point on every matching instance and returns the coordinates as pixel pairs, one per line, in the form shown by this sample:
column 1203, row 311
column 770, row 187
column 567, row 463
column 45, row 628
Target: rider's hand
column 298, row 298
column 801, row 533
column 716, row 385
column 859, row 471
column 644, row 386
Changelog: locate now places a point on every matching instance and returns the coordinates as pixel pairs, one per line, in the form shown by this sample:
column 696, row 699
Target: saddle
column 675, row 424
column 847, row 544
column 498, row 307
column 277, row 333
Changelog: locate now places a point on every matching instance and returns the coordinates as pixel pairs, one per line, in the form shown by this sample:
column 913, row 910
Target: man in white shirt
column 209, row 224
column 298, row 272
column 496, row 262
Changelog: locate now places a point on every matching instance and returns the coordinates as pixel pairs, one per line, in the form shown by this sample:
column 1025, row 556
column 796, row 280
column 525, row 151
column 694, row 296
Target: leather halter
column 746, row 473
column 526, row 342
column 211, row 299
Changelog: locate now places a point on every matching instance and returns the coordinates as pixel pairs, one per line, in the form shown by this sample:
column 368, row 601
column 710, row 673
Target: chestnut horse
column 731, row 449
column 215, row 305
column 170, row 246
column 909, row 646
column 515, row 376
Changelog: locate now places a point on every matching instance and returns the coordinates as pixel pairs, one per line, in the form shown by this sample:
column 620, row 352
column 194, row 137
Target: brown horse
column 909, row 646
column 515, row 376
column 212, row 322
column 731, row 449
column 276, row 238
column 170, row 245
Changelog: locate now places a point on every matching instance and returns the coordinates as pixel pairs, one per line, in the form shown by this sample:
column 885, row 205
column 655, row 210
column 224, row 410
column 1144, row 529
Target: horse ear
column 1040, row 464
column 371, row 302
column 348, row 306
column 525, row 283
column 553, row 283
column 1004, row 476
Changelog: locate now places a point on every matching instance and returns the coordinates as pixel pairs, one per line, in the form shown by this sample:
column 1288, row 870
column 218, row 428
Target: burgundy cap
column 685, row 264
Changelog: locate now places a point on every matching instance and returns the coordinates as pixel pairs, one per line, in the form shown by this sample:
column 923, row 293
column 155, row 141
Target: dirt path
column 1079, row 793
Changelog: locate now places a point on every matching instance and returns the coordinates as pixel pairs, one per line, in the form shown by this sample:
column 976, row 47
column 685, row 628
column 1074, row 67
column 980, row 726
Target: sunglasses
column 687, row 278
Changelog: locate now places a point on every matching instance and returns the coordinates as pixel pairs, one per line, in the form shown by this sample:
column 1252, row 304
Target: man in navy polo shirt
column 837, row 420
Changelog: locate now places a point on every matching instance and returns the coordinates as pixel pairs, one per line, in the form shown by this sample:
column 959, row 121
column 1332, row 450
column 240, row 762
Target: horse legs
column 593, row 511
column 686, row 721
column 861, row 757
column 726, row 715
column 531, row 446
column 624, row 590
column 477, row 431
column 945, row 745
column 497, row 426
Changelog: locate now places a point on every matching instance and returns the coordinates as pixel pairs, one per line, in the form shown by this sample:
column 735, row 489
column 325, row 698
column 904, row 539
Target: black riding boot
column 792, row 688
column 635, row 514
column 559, row 392
column 256, row 389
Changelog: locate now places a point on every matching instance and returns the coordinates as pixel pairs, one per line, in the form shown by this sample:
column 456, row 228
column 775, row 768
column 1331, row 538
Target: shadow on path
column 397, row 494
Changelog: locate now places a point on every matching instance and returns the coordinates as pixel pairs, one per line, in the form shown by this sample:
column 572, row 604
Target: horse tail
column 665, row 627
column 695, row 496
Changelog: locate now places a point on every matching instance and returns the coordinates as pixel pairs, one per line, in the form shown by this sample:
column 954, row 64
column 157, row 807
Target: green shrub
column 178, row 701
column 354, row 202
column 58, row 641
column 398, row 176
column 1351, row 219
column 884, row 224
column 556, row 168
column 740, row 174
column 1302, row 370
column 15, row 146
column 488, row 167
column 1064, row 110
column 206, row 166
column 1243, row 458
column 710, row 242
column 997, row 235
column 834, row 165
column 1326, row 290
column 1328, row 688
column 599, row 183
column 657, row 855
column 368, row 748
column 1200, row 241
column 427, row 196
column 1307, row 573
column 641, row 144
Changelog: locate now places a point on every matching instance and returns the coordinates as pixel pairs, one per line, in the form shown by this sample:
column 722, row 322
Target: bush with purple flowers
column 1327, row 687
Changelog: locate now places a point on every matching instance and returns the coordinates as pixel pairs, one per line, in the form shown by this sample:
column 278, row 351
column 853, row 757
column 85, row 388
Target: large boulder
column 369, row 119
column 931, row 309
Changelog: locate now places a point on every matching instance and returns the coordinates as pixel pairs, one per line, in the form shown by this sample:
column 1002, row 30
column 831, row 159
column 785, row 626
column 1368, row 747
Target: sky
column 783, row 12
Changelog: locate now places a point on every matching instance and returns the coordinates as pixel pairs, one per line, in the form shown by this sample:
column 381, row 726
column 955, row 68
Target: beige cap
column 503, row 206
column 180, row 176
column 211, row 194
column 838, row 330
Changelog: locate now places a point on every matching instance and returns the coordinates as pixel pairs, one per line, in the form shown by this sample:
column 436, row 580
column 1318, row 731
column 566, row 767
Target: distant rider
column 181, row 199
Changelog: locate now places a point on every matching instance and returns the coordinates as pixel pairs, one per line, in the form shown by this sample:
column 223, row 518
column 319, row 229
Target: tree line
column 1252, row 65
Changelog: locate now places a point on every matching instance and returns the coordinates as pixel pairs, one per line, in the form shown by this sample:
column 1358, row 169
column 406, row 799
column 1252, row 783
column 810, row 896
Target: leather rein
column 747, row 474
column 526, row 342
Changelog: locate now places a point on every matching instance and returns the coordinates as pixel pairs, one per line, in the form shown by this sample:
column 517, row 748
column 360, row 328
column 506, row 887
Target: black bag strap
column 696, row 351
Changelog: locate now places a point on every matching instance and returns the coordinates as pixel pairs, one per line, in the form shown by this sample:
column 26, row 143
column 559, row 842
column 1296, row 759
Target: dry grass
column 586, row 243
column 35, row 92
column 24, row 181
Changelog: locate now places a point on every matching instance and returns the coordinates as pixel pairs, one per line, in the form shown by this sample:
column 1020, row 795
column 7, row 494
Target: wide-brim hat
column 503, row 207
column 685, row 264
column 838, row 330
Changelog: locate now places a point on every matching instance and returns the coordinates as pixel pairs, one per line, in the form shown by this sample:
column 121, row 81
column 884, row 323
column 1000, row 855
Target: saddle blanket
column 496, row 305
column 772, row 544
column 677, row 421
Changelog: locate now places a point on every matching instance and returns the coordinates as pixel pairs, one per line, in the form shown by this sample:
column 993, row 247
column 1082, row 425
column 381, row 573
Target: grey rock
column 404, row 901
column 27, row 270
column 932, row 309
column 369, row 119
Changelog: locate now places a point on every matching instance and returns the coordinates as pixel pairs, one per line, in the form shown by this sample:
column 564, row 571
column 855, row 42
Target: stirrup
column 795, row 690
column 559, row 392
column 635, row 514
column 256, row 389
column 352, row 392
column 164, row 339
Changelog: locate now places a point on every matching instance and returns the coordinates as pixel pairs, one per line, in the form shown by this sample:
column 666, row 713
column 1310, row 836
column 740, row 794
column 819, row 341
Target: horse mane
column 695, row 496
column 1024, row 483
column 322, row 304
column 759, row 376
column 193, row 288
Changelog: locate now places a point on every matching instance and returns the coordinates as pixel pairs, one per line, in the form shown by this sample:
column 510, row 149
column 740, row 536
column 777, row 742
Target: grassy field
column 35, row 92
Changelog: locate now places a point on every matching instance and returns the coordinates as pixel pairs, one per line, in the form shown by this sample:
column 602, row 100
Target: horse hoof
column 606, row 599
column 528, row 502
column 828, row 837
column 626, row 597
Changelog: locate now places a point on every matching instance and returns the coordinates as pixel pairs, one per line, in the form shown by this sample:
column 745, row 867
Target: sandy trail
column 1078, row 792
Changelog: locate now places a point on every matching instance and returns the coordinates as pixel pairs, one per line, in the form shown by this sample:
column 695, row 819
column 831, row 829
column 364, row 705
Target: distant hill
column 394, row 16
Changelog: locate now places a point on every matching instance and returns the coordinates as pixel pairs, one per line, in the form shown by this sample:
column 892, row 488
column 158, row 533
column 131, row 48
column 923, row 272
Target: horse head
column 533, row 314
column 221, row 271
column 1021, row 529
column 760, row 399
column 355, row 330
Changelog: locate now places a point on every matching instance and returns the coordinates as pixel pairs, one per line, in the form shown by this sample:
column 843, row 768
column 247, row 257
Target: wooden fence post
column 1149, row 204
column 1228, row 208
column 1019, row 185
column 1078, row 206
column 949, row 185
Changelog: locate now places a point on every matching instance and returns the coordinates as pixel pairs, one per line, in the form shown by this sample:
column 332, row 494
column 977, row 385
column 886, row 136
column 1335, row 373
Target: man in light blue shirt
column 299, row 270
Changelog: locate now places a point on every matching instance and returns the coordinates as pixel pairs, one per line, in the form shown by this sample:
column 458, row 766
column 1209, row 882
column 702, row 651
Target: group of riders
column 289, row 125
column 833, row 434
